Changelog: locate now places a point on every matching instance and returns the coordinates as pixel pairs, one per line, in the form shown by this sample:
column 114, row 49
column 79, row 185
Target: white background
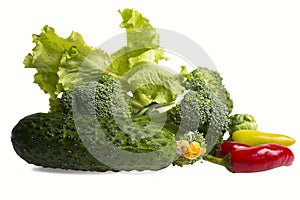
column 255, row 46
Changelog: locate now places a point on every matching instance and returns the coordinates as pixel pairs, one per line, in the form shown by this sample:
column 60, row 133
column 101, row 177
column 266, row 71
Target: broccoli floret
column 241, row 122
column 213, row 80
column 106, row 99
column 200, row 110
column 193, row 112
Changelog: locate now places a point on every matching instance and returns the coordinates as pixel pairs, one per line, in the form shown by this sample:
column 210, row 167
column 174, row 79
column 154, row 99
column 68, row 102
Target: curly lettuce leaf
column 58, row 62
column 136, row 62
column 125, row 59
column 77, row 68
column 139, row 31
column 142, row 43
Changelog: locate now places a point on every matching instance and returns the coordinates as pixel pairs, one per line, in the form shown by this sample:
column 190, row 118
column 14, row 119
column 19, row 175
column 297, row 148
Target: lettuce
column 151, row 84
column 142, row 43
column 58, row 61
column 62, row 63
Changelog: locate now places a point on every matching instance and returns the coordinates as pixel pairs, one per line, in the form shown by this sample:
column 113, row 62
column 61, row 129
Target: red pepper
column 226, row 147
column 255, row 159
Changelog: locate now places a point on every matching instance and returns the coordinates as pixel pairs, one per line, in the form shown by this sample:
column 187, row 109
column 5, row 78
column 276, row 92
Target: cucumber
column 55, row 140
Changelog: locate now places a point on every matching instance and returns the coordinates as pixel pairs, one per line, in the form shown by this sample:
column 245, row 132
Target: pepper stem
column 216, row 160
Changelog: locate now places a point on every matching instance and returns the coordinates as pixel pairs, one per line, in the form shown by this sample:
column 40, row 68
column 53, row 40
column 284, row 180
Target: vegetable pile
column 122, row 111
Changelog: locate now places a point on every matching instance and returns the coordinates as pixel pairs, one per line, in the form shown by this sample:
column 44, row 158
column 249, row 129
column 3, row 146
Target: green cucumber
column 53, row 140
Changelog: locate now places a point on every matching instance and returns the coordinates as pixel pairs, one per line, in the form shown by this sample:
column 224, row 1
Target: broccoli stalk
column 213, row 80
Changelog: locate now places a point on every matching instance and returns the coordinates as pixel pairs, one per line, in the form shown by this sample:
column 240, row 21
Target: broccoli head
column 106, row 99
column 200, row 110
column 193, row 112
column 213, row 80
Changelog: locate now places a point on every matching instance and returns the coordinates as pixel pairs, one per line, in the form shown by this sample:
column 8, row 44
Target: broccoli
column 106, row 99
column 213, row 80
column 206, row 107
column 192, row 112
column 241, row 122
column 201, row 111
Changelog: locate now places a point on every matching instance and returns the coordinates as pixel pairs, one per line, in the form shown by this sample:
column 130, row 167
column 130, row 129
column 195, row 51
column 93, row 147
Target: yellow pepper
column 194, row 150
column 254, row 138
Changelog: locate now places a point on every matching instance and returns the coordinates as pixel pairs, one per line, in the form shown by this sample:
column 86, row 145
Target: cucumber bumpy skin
column 51, row 140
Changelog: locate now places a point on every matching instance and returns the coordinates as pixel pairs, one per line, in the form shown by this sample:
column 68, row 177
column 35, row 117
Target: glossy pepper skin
column 255, row 159
column 226, row 147
column 254, row 138
column 259, row 158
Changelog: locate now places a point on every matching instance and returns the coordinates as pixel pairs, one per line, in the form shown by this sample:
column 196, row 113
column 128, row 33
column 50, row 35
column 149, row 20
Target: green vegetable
column 50, row 140
column 58, row 62
column 148, row 83
column 105, row 99
column 142, row 43
column 140, row 32
column 151, row 84
column 53, row 140
column 201, row 111
column 241, row 122
column 213, row 80
column 62, row 63
column 118, row 105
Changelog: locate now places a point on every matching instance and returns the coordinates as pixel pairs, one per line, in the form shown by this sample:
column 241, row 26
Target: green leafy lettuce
column 58, row 62
column 63, row 62
column 142, row 43
column 150, row 83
